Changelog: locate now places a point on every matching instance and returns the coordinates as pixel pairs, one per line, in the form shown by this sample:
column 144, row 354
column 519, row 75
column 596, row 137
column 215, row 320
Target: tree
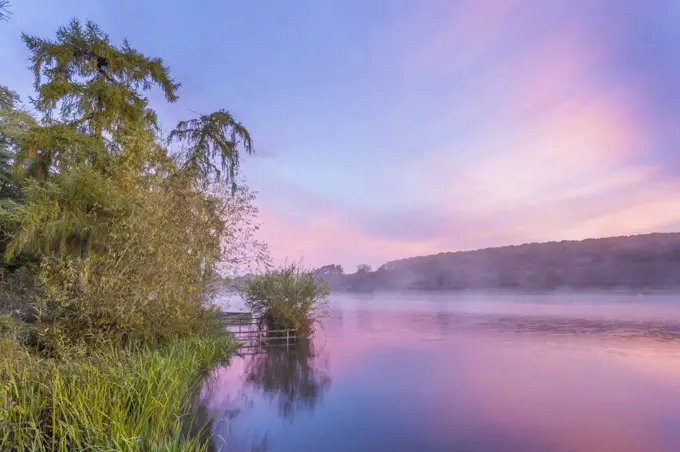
column 96, row 139
column 130, row 235
column 94, row 85
column 364, row 268
column 332, row 269
column 210, row 137
column 242, row 252
column 15, row 121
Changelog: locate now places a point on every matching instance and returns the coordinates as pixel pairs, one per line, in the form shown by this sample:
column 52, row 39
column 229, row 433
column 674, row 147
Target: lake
column 442, row 372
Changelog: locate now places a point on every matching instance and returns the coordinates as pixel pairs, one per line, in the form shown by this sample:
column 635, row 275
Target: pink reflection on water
column 586, row 394
column 432, row 377
column 224, row 386
column 577, row 399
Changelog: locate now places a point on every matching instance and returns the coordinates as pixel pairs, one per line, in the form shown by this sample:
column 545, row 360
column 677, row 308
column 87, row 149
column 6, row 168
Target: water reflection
column 291, row 379
column 295, row 379
column 451, row 375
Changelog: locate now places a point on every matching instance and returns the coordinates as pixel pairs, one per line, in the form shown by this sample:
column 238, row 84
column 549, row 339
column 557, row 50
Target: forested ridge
column 639, row 262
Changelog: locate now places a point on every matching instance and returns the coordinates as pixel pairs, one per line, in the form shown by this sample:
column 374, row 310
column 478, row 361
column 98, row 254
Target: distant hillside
column 641, row 262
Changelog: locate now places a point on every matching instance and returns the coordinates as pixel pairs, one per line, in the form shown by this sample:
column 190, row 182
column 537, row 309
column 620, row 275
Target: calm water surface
column 462, row 373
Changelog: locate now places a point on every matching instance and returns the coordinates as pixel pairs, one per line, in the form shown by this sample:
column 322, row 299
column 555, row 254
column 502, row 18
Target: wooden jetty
column 250, row 332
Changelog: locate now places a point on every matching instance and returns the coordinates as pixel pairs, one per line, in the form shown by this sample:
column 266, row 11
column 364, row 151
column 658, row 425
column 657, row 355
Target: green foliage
column 212, row 136
column 118, row 399
column 290, row 297
column 145, row 283
column 128, row 234
column 65, row 213
column 112, row 242
column 57, row 148
column 93, row 84
column 15, row 122
column 18, row 291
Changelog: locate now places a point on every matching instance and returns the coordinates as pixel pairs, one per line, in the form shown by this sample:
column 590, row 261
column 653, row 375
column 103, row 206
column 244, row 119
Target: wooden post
column 287, row 334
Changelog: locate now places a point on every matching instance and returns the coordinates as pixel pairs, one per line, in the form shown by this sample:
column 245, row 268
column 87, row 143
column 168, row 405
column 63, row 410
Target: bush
column 290, row 297
column 144, row 284
column 18, row 290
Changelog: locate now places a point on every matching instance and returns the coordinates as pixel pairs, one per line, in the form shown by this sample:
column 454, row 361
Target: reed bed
column 110, row 400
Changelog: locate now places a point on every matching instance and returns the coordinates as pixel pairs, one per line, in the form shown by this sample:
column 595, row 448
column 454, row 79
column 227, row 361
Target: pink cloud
column 548, row 156
column 329, row 239
column 546, row 128
column 542, row 146
column 647, row 211
column 557, row 154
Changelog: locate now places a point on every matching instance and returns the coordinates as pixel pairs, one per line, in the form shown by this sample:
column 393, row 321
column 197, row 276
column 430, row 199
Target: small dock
column 251, row 333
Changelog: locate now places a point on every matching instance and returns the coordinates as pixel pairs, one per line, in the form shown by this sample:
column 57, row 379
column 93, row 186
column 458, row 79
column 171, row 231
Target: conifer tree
column 129, row 233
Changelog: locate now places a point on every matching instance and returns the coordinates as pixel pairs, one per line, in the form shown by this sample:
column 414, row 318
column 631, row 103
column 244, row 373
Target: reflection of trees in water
column 297, row 378
column 262, row 446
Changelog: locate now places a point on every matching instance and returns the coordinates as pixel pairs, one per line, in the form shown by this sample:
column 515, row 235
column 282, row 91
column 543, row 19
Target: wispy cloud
column 541, row 134
column 419, row 127
column 328, row 238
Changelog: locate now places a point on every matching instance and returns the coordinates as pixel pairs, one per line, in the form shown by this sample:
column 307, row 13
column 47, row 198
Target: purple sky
column 393, row 128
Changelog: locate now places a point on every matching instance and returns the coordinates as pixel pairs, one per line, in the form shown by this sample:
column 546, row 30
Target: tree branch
column 5, row 13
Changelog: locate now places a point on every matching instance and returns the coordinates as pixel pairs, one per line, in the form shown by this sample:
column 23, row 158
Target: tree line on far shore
column 641, row 262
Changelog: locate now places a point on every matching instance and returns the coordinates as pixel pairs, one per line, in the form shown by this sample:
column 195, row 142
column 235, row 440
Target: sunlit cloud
column 326, row 239
column 420, row 127
column 547, row 139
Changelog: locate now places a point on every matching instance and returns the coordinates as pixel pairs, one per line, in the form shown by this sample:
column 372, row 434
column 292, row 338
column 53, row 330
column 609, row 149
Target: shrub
column 18, row 290
column 290, row 297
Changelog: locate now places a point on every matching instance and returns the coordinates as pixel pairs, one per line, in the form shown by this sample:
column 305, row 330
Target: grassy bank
column 129, row 399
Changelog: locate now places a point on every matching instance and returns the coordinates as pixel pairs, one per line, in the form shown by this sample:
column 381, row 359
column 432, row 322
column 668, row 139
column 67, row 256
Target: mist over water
column 443, row 372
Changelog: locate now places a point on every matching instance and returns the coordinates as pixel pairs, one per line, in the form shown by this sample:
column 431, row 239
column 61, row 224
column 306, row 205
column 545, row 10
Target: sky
column 386, row 129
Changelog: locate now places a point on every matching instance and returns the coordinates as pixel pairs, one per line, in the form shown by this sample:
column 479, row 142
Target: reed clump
column 289, row 297
column 123, row 399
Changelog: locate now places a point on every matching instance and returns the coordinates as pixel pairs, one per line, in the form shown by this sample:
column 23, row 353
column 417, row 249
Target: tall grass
column 122, row 400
